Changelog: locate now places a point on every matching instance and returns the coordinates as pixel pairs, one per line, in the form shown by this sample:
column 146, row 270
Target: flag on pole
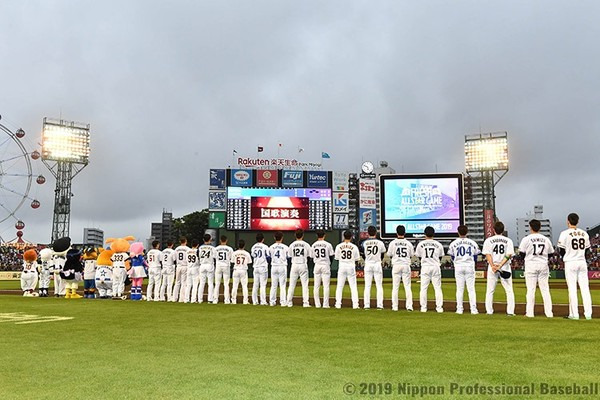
column 300, row 149
column 234, row 151
column 325, row 155
column 260, row 149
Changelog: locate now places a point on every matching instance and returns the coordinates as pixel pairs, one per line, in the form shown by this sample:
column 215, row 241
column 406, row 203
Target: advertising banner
column 267, row 178
column 367, row 218
column 217, row 179
column 216, row 200
column 317, row 179
column 216, row 220
column 340, row 181
column 340, row 202
column 241, row 177
column 340, row 221
column 292, row 178
column 488, row 223
column 367, row 190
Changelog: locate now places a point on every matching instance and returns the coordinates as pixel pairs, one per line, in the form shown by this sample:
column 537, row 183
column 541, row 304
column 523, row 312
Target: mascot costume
column 29, row 276
column 120, row 260
column 89, row 272
column 104, row 274
column 138, row 269
column 60, row 247
column 72, row 274
column 45, row 271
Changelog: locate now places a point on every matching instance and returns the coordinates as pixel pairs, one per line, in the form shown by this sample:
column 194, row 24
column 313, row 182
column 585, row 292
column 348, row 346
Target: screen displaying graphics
column 278, row 209
column 418, row 201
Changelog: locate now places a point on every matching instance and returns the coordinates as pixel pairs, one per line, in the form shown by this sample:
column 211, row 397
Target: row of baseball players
column 192, row 268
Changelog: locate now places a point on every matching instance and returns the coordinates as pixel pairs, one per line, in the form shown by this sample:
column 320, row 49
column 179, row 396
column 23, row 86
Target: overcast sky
column 170, row 88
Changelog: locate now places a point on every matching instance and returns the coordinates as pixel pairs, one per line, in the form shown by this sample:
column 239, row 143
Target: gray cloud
column 170, row 88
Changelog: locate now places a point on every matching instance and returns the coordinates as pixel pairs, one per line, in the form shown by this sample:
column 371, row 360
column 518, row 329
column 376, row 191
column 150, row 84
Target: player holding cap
column 374, row 253
column 464, row 253
column 260, row 258
column 401, row 251
column 535, row 247
column 322, row 255
column 180, row 259
column 167, row 273
column 430, row 252
column 279, row 263
column 498, row 250
column 241, row 259
column 299, row 251
column 154, row 272
column 206, row 257
column 347, row 255
column 573, row 243
column 223, row 254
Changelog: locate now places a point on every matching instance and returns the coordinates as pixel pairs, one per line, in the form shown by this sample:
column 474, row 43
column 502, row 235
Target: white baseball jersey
column 574, row 242
column 536, row 248
column 374, row 249
column 464, row 252
column 192, row 257
column 241, row 259
column 206, row 253
column 279, row 254
column 58, row 262
column 180, row 256
column 29, row 267
column 119, row 259
column 223, row 255
column 167, row 257
column 347, row 254
column 89, row 269
column 401, row 251
column 260, row 252
column 299, row 251
column 153, row 258
column 498, row 247
column 322, row 250
column 430, row 251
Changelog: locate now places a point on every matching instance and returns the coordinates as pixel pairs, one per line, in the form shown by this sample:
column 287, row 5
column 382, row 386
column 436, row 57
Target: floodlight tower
column 65, row 151
column 486, row 163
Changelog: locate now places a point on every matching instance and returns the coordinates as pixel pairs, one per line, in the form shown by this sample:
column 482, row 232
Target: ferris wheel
column 16, row 175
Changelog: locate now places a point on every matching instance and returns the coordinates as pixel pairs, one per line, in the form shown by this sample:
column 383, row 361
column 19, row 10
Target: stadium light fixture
column 486, row 152
column 65, row 141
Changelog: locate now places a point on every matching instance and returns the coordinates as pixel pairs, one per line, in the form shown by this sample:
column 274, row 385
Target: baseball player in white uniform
column 535, row 247
column 401, row 251
column 206, row 256
column 193, row 274
column 323, row 254
column 572, row 245
column 498, row 250
column 347, row 255
column 430, row 252
column 260, row 259
column 241, row 258
column 154, row 258
column 167, row 273
column 299, row 251
column 279, row 263
column 223, row 254
column 374, row 252
column 464, row 253
column 180, row 258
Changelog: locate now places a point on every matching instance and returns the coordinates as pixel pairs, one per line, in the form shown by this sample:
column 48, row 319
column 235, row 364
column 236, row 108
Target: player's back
column 574, row 241
column 167, row 257
column 322, row 250
column 430, row 252
column 260, row 253
column 241, row 259
column 374, row 249
column 279, row 254
column 536, row 247
column 498, row 246
column 299, row 251
column 464, row 252
column 206, row 254
column 192, row 257
column 154, row 258
column 180, row 255
column 223, row 255
column 401, row 251
column 347, row 254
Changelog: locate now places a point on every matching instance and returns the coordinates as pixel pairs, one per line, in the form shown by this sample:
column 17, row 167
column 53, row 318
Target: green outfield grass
column 140, row 350
column 559, row 294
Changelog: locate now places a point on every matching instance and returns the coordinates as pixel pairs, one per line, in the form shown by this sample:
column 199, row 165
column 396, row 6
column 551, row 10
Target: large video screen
column 259, row 209
column 418, row 201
